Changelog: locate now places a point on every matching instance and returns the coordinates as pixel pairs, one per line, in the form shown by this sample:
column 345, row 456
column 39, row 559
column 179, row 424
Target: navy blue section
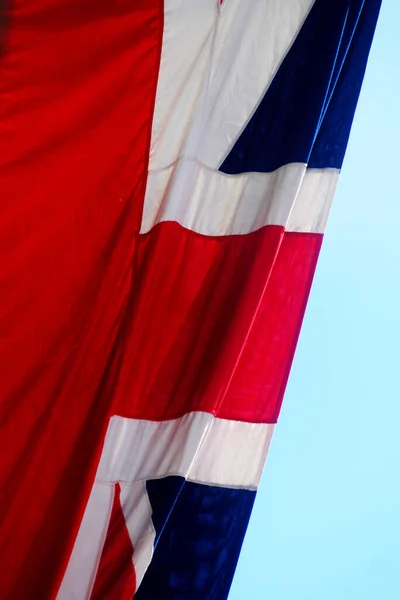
column 331, row 142
column 163, row 502
column 196, row 554
column 307, row 112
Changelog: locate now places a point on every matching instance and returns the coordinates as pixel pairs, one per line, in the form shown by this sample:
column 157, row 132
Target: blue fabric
column 307, row 112
column 200, row 530
column 331, row 141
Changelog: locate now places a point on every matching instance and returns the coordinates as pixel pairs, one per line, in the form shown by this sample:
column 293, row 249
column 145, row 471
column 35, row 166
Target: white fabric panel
column 136, row 450
column 189, row 27
column 233, row 454
column 314, row 200
column 213, row 203
column 80, row 574
column 197, row 446
column 137, row 511
column 215, row 68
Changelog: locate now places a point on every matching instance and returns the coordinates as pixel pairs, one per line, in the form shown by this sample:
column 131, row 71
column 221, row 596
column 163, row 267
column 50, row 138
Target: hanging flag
column 167, row 170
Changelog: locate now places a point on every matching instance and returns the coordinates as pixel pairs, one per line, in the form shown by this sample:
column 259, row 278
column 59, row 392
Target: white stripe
column 197, row 446
column 80, row 574
column 137, row 511
column 213, row 203
column 215, row 67
column 311, row 209
column 233, row 455
column 189, row 27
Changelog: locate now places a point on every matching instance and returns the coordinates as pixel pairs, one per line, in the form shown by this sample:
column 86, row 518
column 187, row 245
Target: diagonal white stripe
column 137, row 511
column 215, row 67
column 80, row 574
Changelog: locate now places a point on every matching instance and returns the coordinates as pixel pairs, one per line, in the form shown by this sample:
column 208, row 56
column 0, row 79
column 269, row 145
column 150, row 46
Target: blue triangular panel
column 307, row 112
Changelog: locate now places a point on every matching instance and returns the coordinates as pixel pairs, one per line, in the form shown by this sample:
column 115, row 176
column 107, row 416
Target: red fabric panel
column 115, row 578
column 259, row 382
column 78, row 87
column 95, row 319
column 214, row 322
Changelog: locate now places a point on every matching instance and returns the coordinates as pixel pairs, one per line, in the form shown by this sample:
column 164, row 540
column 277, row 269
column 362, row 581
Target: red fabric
column 78, row 86
column 115, row 579
column 97, row 320
column 214, row 322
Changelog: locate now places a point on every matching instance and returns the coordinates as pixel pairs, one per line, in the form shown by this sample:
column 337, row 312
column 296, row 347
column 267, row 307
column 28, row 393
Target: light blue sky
column 326, row 523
